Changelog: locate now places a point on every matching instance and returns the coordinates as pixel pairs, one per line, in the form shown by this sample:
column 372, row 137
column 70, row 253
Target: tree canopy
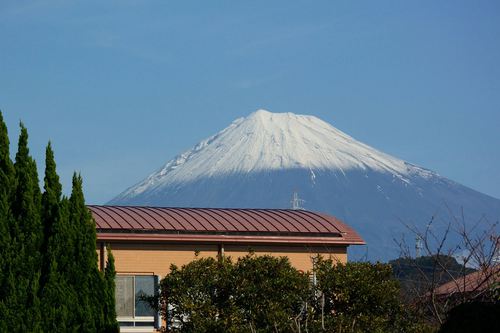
column 267, row 294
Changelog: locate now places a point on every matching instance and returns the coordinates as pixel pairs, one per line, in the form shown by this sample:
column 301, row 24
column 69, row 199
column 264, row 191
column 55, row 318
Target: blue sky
column 120, row 87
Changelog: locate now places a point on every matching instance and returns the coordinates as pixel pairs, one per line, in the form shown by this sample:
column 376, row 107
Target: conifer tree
column 57, row 293
column 56, row 310
column 6, row 182
column 48, row 260
column 6, row 185
column 95, row 290
column 85, row 272
column 111, row 325
column 53, row 224
column 26, row 238
column 26, row 205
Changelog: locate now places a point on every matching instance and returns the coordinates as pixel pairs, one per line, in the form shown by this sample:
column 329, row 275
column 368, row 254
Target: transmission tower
column 418, row 246
column 296, row 202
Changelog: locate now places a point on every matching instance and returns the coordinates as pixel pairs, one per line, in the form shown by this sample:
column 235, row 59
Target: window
column 131, row 310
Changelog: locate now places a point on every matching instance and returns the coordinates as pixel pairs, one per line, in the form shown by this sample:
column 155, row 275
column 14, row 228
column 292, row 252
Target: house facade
column 146, row 240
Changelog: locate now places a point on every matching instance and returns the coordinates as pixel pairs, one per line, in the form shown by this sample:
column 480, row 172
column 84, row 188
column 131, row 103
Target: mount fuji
column 259, row 161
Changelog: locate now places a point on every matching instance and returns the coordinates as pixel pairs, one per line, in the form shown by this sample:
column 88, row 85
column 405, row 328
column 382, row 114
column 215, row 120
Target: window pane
column 124, row 296
column 144, row 323
column 144, row 286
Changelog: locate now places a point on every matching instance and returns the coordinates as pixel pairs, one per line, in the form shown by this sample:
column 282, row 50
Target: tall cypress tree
column 53, row 224
column 57, row 293
column 26, row 239
column 48, row 260
column 96, row 290
column 26, row 204
column 111, row 325
column 6, row 185
column 85, row 272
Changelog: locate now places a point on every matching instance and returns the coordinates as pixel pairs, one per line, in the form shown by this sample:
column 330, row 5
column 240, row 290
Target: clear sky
column 121, row 87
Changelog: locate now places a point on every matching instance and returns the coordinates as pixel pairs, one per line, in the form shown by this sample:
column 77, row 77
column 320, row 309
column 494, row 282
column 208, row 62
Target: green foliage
column 6, row 219
column 255, row 294
column 202, row 295
column 55, row 300
column 26, row 235
column 94, row 313
column 269, row 292
column 57, row 293
column 49, row 280
column 6, row 186
column 359, row 297
column 84, row 267
column 266, row 294
column 110, row 323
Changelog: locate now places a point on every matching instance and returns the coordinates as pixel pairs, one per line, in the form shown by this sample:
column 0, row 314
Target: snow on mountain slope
column 273, row 141
column 260, row 160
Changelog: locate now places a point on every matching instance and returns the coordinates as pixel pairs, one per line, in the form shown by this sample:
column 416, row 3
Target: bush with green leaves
column 360, row 297
column 267, row 294
column 200, row 295
column 253, row 294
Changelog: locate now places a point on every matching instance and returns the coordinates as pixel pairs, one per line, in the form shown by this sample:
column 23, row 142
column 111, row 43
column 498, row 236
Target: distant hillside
column 417, row 274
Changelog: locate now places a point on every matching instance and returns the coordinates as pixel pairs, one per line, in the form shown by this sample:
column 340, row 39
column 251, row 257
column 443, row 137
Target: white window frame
column 136, row 319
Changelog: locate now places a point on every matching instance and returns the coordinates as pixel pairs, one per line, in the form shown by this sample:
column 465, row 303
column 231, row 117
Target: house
column 146, row 240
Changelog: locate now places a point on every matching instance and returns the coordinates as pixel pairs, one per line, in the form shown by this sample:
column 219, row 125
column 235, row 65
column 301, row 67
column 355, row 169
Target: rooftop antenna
column 296, row 201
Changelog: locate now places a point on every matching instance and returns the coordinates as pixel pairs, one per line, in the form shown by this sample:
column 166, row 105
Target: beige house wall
column 150, row 258
column 155, row 259
column 300, row 256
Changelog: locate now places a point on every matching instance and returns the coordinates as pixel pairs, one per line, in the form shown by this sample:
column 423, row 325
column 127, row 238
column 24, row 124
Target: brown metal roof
column 217, row 224
column 474, row 282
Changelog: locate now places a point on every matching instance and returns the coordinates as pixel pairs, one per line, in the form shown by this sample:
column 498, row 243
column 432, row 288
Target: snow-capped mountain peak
column 258, row 162
column 272, row 141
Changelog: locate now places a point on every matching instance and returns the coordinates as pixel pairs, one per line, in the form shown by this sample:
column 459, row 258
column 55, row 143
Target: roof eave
column 137, row 237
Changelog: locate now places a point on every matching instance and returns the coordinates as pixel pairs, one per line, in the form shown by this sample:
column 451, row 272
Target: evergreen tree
column 56, row 309
column 6, row 182
column 26, row 237
column 48, row 261
column 57, row 294
column 86, row 275
column 26, row 205
column 111, row 325
column 53, row 224
column 6, row 185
